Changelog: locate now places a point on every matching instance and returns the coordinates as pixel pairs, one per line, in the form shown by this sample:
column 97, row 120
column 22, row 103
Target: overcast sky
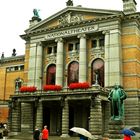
column 15, row 16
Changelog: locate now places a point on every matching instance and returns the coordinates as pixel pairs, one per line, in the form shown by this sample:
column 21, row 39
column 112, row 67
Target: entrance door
column 46, row 117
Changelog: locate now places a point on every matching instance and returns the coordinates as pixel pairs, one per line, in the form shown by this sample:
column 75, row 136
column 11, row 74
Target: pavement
column 29, row 136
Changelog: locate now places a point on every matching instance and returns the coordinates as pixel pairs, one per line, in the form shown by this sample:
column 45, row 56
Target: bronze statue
column 36, row 14
column 69, row 3
column 116, row 96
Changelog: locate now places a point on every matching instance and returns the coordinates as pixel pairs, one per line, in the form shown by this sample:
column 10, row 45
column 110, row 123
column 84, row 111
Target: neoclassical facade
column 77, row 45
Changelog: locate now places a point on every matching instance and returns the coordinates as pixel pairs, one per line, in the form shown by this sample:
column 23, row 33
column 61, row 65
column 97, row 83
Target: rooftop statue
column 14, row 52
column 116, row 96
column 69, row 3
column 36, row 14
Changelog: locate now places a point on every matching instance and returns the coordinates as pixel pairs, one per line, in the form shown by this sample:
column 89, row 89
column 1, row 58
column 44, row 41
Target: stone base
column 65, row 136
column 115, row 127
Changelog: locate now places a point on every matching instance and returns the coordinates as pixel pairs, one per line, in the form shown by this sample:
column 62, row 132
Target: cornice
column 12, row 59
column 72, row 8
column 71, row 25
column 132, row 16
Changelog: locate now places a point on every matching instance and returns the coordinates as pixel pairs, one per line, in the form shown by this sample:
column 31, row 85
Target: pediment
column 71, row 15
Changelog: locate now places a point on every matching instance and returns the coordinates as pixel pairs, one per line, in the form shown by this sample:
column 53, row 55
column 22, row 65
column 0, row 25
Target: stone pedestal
column 115, row 127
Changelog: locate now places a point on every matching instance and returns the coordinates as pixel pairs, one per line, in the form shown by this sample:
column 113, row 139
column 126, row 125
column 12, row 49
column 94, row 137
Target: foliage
column 28, row 89
column 83, row 85
column 52, row 87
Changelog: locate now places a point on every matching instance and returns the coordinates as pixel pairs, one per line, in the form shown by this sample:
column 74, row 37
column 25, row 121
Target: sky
column 15, row 16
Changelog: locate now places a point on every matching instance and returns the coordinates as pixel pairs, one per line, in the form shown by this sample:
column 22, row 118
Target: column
column 113, row 58
column 82, row 59
column 59, row 62
column 38, row 76
column 65, row 119
column 95, row 123
column 39, row 115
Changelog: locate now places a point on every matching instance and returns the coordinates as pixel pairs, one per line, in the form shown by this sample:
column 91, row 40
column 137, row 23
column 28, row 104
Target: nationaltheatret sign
column 74, row 31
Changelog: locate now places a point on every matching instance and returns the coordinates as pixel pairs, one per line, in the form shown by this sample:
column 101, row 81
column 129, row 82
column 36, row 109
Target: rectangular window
column 16, row 67
column 70, row 47
column 77, row 46
column 55, row 49
column 49, row 50
column 94, row 43
column 101, row 42
column 22, row 67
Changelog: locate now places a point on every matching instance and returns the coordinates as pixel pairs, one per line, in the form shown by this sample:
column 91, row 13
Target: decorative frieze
column 69, row 18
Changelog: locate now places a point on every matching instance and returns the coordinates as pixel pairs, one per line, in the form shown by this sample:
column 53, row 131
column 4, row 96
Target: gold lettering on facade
column 70, row 32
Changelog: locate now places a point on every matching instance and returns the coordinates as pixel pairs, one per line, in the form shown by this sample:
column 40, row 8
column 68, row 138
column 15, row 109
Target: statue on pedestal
column 69, row 3
column 36, row 14
column 116, row 96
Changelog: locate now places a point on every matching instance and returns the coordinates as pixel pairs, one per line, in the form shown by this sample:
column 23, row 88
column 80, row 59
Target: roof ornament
column 69, row 3
column 14, row 52
column 36, row 13
column 2, row 55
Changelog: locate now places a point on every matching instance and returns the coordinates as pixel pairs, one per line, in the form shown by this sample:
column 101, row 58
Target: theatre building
column 93, row 48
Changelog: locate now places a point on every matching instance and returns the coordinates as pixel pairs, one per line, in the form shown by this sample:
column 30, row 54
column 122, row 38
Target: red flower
column 28, row 89
column 52, row 87
column 79, row 85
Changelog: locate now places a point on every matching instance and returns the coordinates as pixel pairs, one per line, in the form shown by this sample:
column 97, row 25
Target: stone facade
column 77, row 44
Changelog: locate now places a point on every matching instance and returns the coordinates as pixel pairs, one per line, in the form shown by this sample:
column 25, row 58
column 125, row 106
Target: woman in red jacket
column 45, row 133
column 126, row 137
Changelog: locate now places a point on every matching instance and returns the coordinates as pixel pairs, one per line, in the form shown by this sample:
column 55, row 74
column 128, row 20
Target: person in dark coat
column 83, row 137
column 36, row 134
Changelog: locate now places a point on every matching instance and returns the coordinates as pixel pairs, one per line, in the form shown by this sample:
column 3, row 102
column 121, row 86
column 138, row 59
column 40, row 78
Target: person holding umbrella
column 127, row 134
column 83, row 137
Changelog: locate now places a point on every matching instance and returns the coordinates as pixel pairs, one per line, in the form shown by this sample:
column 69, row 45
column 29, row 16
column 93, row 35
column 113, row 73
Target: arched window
column 18, row 84
column 51, row 72
column 97, row 75
column 73, row 72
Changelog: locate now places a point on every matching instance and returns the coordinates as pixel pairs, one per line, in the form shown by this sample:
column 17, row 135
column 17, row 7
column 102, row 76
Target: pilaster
column 32, row 64
column 113, row 58
column 38, row 72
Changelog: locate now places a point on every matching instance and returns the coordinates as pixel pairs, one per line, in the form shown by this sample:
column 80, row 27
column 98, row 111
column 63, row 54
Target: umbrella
column 128, row 132
column 82, row 131
column 136, row 129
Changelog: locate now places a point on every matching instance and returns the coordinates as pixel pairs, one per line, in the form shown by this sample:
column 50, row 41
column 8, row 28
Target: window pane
column 101, row 42
column 50, row 79
column 49, row 50
column 98, row 72
column 73, row 73
column 70, row 48
column 77, row 46
column 94, row 43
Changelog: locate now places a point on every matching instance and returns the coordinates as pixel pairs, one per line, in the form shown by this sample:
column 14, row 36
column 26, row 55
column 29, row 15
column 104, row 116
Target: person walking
column 36, row 134
column 45, row 133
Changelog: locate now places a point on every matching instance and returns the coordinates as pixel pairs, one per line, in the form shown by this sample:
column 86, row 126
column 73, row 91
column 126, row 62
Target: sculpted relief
column 69, row 18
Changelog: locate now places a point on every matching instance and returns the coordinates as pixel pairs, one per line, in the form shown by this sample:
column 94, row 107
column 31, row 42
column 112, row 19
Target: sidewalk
column 27, row 136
